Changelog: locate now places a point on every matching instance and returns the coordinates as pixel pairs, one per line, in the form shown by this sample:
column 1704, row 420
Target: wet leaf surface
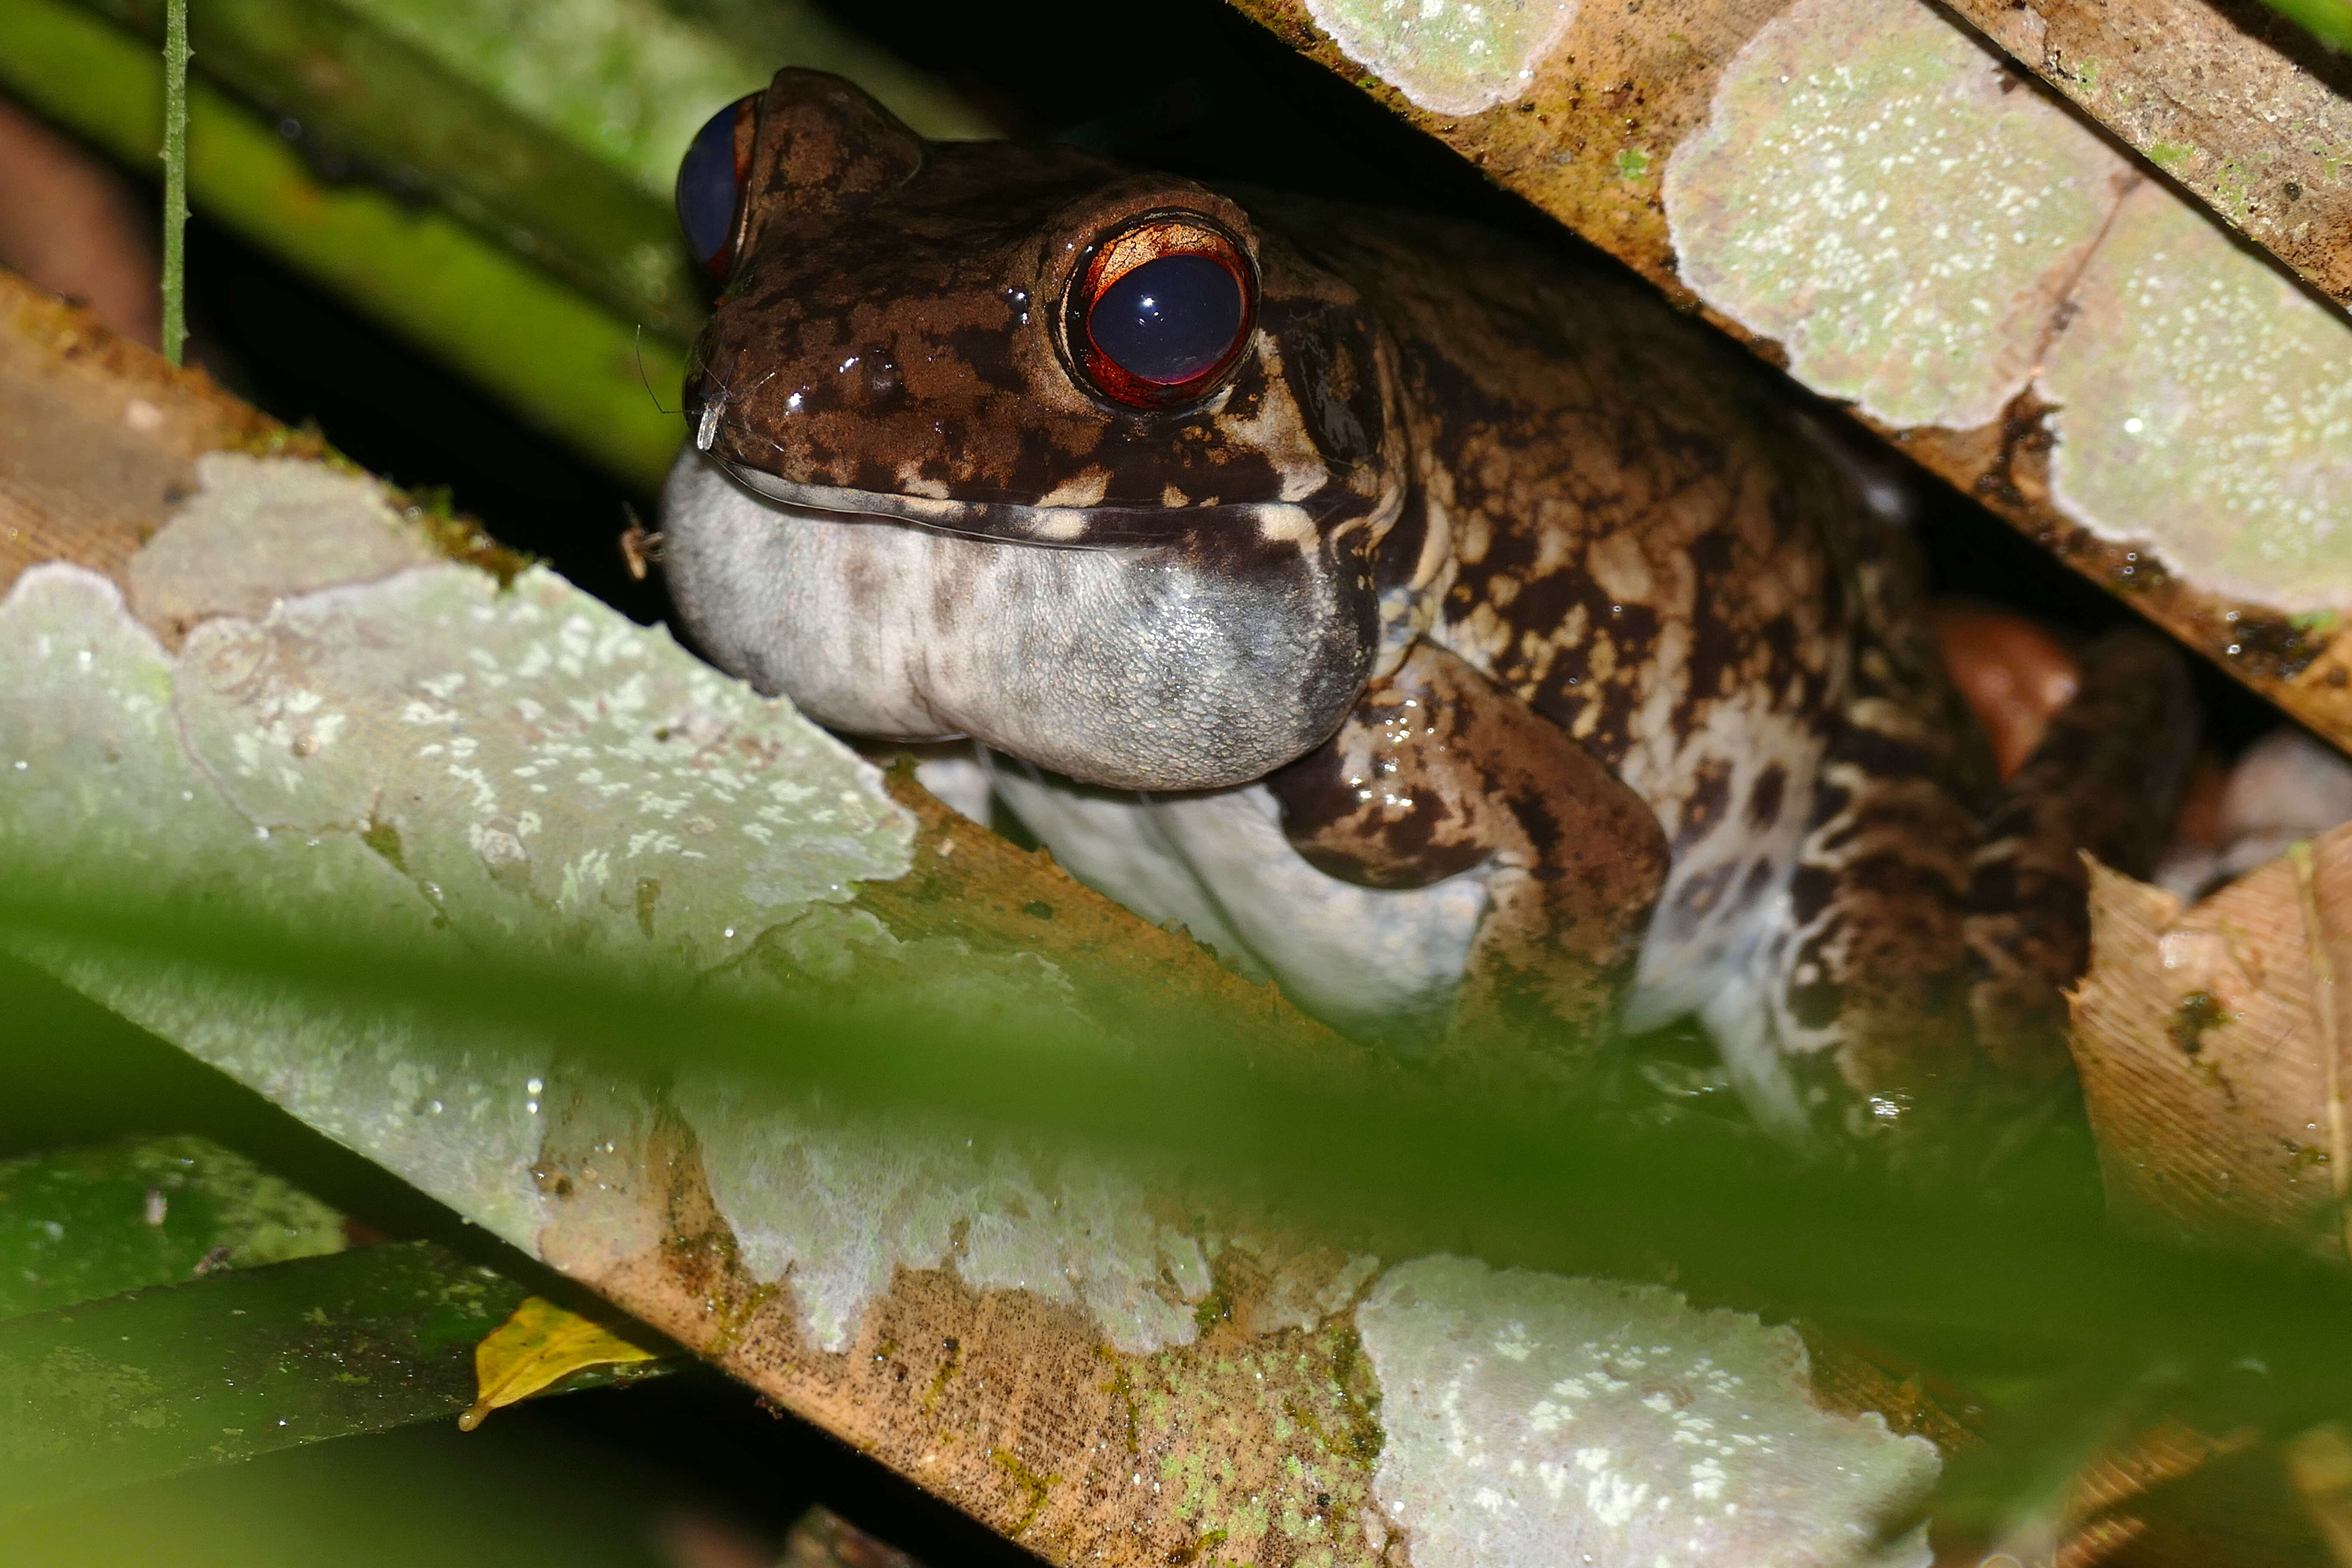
column 234, row 1364
column 86, row 1223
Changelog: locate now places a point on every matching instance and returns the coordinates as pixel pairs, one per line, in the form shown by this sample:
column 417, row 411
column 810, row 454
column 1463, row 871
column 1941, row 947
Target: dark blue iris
column 705, row 188
column 1170, row 320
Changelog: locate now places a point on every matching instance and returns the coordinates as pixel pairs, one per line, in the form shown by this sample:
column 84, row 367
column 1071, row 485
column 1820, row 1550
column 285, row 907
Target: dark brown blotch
column 1765, row 797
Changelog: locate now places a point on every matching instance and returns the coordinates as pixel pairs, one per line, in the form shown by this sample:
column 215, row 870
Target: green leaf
column 180, row 1376
column 1431, row 1165
column 88, row 1223
column 516, row 1495
column 564, row 360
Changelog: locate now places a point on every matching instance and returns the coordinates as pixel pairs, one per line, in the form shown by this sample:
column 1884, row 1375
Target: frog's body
column 1488, row 648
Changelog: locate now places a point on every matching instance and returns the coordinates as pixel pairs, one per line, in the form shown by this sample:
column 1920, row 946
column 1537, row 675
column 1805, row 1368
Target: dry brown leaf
column 2165, row 1495
column 2211, row 1044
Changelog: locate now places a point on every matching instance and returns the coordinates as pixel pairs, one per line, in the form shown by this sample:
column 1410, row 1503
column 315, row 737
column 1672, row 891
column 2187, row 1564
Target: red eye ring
column 1157, row 237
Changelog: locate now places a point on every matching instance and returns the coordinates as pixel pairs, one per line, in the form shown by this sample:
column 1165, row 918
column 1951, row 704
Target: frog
column 1440, row 624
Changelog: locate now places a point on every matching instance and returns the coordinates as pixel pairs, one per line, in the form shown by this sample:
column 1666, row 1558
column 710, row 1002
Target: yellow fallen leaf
column 541, row 1343
column 2319, row 1463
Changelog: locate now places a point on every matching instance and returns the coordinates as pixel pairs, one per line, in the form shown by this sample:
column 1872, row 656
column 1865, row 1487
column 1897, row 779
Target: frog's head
column 1021, row 350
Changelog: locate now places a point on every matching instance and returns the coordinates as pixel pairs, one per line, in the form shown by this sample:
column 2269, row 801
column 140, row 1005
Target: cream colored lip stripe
column 1065, row 527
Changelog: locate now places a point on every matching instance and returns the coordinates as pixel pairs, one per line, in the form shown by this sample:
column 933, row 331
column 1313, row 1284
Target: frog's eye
column 1162, row 311
column 711, row 184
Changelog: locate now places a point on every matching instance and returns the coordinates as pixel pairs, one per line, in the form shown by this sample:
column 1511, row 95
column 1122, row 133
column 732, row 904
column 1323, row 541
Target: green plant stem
column 2329, row 21
column 570, row 366
column 175, row 179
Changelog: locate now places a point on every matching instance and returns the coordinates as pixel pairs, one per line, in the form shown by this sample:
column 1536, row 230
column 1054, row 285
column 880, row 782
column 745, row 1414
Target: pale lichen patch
column 258, row 529
column 87, row 756
column 2205, row 407
column 1872, row 191
column 1536, row 1420
column 1305, row 1396
column 93, row 780
column 1453, row 57
column 837, row 1206
column 421, row 758
column 542, row 759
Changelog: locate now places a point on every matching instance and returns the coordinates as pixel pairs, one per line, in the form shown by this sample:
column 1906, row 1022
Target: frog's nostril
column 882, row 378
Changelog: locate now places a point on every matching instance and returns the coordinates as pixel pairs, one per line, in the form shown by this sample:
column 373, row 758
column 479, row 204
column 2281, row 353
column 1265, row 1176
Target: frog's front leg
column 1437, row 769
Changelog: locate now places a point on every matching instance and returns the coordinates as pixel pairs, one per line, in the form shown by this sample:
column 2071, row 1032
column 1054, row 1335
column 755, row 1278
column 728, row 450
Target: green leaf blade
column 155, row 1381
column 89, row 1223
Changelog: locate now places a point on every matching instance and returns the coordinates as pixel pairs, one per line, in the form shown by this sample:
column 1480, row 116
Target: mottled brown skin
column 903, row 293
column 1642, row 646
column 1438, row 771
column 2080, row 793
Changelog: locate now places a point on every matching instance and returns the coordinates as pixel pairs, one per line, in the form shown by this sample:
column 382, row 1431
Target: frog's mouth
column 1057, row 527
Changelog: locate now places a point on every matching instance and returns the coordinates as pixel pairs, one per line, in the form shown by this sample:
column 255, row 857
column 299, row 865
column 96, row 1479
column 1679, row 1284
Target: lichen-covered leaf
column 2203, row 405
column 1869, row 192
column 1878, row 199
column 420, row 758
column 2247, row 117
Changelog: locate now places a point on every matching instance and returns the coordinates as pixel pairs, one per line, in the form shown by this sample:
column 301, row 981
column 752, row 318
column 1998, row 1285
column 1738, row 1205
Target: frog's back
column 1635, row 540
